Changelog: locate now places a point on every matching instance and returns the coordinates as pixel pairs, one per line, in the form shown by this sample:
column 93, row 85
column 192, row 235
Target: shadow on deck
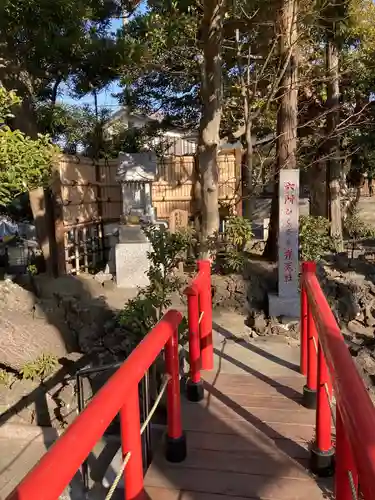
column 249, row 438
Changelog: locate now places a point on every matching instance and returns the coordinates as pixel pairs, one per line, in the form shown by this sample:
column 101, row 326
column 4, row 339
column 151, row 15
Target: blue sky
column 105, row 99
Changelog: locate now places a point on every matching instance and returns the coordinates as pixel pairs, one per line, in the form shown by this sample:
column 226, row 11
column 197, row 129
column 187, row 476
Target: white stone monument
column 286, row 302
column 132, row 263
column 135, row 173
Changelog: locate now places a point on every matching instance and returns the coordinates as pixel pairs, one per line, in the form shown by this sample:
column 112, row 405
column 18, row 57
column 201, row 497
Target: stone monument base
column 284, row 306
column 132, row 264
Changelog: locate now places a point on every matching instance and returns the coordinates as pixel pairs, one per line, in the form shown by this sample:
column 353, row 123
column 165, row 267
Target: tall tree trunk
column 318, row 191
column 55, row 89
column 247, row 159
column 12, row 77
column 209, row 127
column 196, row 197
column 247, row 173
column 333, row 142
column 286, row 144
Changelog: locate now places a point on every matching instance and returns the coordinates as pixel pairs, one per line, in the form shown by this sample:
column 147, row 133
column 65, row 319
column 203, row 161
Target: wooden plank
column 234, row 484
column 154, row 493
column 216, row 401
column 240, row 461
column 273, row 401
column 295, row 381
column 259, row 415
column 246, row 440
column 255, row 442
column 259, row 388
column 205, row 424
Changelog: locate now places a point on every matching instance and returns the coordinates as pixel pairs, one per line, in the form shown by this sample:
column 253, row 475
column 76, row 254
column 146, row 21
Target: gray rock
column 257, row 322
column 229, row 292
column 366, row 362
column 368, row 316
column 358, row 328
column 23, row 339
column 284, row 326
column 103, row 277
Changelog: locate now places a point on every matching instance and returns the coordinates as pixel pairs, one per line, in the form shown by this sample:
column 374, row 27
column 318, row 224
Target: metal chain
column 352, row 485
column 166, row 377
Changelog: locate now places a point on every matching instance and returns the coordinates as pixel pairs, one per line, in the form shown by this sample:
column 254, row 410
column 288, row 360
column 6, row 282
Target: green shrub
column 6, row 378
column 142, row 313
column 314, row 237
column 228, row 253
column 238, row 232
column 356, row 228
column 32, row 269
column 25, row 163
column 230, row 261
column 41, row 368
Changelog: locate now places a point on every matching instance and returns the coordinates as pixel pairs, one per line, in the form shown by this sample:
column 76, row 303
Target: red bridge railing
column 327, row 363
column 120, row 394
column 201, row 355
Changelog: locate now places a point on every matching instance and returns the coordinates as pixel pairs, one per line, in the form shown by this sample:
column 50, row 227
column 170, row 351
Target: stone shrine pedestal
column 132, row 263
column 288, row 307
column 287, row 301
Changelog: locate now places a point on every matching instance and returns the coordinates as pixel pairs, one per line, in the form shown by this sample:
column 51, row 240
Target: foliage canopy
column 25, row 163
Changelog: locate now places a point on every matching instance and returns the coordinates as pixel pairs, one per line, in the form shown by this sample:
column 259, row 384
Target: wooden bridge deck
column 248, row 439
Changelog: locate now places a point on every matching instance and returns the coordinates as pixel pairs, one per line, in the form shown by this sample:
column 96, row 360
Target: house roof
column 125, row 112
column 185, row 141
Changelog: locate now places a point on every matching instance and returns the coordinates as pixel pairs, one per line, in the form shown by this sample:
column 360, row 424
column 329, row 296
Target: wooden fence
column 89, row 191
column 173, row 186
column 88, row 196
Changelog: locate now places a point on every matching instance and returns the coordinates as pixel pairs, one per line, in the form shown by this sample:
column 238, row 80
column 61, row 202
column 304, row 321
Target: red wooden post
column 322, row 452
column 205, row 305
column 120, row 394
column 309, row 391
column 131, row 443
column 175, row 439
column 344, row 463
column 303, row 327
column 194, row 388
column 312, row 361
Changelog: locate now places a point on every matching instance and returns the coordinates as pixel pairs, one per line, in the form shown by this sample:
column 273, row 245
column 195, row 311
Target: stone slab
column 132, row 264
column 283, row 306
column 131, row 234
